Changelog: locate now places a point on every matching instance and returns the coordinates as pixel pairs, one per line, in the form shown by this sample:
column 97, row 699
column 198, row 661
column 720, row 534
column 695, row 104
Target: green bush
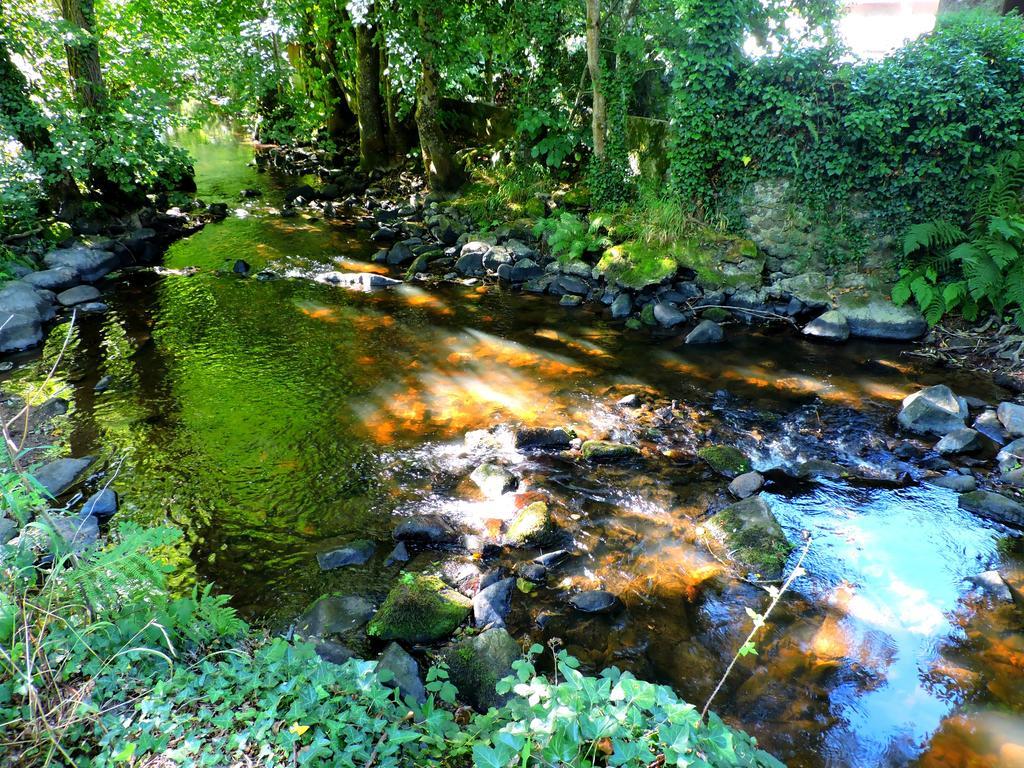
column 902, row 137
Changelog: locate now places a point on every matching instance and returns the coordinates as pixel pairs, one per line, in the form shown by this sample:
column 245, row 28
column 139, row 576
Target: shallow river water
column 273, row 419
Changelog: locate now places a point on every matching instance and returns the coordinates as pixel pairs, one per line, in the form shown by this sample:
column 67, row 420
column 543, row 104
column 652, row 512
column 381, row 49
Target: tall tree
column 443, row 172
column 372, row 132
column 83, row 52
column 599, row 123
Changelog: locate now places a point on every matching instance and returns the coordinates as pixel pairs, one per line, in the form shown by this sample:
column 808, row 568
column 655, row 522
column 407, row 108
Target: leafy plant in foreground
column 569, row 238
column 977, row 268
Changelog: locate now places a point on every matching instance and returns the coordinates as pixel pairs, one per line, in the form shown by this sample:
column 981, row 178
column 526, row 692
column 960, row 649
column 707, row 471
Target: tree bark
column 398, row 144
column 372, row 136
column 342, row 119
column 443, row 172
column 83, row 55
column 599, row 122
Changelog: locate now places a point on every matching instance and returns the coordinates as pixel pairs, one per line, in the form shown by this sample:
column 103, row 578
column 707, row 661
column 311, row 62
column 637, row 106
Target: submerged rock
column 933, row 410
column 334, row 615
column 492, row 604
column 594, row 601
column 706, row 332
column 426, row 529
column 994, row 506
column 542, row 437
column 551, row 559
column 419, row 609
column 831, row 326
column 356, row 553
column 494, row 480
column 476, row 664
column 753, row 537
column 57, row 476
column 403, row 673
column 874, row 316
column 955, row 482
column 1011, row 416
column 606, row 450
column 531, row 526
column 993, row 584
column 725, row 460
column 964, row 440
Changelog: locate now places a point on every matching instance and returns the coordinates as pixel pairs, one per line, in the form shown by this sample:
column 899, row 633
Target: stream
column 273, row 419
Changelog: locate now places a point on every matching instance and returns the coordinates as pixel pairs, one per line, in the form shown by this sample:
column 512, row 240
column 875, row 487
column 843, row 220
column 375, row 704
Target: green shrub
column 569, row 238
column 974, row 269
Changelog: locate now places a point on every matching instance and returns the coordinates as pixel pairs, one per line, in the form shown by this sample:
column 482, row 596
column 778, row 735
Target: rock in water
column 419, row 609
column 404, row 673
column 356, row 553
column 540, row 437
column 334, row 615
column 621, row 306
column 753, row 537
column 101, row 504
column 494, row 480
column 831, row 326
column 1011, row 416
column 994, row 506
column 531, row 526
column 668, row 315
column 241, row 267
column 605, row 450
column 493, row 603
column 955, row 482
column 746, row 485
column 725, row 460
column 476, row 664
column 400, row 554
column 874, row 316
column 933, row 410
column 57, row 476
column 1011, row 456
column 706, row 332
column 594, row 601
column 426, row 529
column 960, row 441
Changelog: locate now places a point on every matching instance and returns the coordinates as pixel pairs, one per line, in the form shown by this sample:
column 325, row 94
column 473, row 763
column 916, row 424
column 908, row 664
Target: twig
column 380, row 741
column 758, row 624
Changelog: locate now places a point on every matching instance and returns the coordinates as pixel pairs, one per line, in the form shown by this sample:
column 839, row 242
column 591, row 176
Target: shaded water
column 273, row 419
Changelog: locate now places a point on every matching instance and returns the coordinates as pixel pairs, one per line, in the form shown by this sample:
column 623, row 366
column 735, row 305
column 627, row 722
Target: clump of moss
column 637, row 265
column 419, row 609
column 753, row 536
column 725, row 459
column 531, row 526
column 476, row 664
column 647, row 315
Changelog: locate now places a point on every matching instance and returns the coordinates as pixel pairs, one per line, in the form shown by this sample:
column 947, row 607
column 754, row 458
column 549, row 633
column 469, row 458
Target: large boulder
column 403, row 673
column 1011, row 416
column 419, row 609
column 18, row 297
column 994, row 506
column 476, row 664
column 753, row 537
column 933, row 410
column 874, row 316
column 52, row 279
column 831, row 326
column 88, row 264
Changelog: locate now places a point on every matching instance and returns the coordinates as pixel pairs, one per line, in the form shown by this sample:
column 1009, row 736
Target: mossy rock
column 647, row 315
column 718, row 314
column 476, row 664
column 753, row 537
column 636, row 265
column 725, row 460
column 577, row 196
column 721, row 261
column 531, row 526
column 534, row 208
column 419, row 609
column 634, row 324
column 605, row 450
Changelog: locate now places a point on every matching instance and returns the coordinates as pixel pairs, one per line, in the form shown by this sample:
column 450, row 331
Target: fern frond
column 932, row 234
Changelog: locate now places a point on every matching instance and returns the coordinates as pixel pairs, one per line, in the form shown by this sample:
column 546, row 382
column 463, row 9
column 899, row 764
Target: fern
column 973, row 269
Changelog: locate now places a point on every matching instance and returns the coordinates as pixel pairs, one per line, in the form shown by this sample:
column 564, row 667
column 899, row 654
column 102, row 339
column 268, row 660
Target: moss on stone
column 647, row 315
column 531, row 526
column 476, row 664
column 605, row 450
column 725, row 459
column 718, row 314
column 637, row 265
column 419, row 609
column 753, row 536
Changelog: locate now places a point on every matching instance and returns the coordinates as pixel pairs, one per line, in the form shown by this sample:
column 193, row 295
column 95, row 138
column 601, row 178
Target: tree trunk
column 342, row 119
column 372, row 137
column 398, row 144
column 599, row 123
column 443, row 172
column 84, row 54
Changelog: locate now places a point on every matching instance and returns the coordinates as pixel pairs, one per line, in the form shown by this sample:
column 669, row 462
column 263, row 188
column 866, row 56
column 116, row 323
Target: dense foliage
column 101, row 665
